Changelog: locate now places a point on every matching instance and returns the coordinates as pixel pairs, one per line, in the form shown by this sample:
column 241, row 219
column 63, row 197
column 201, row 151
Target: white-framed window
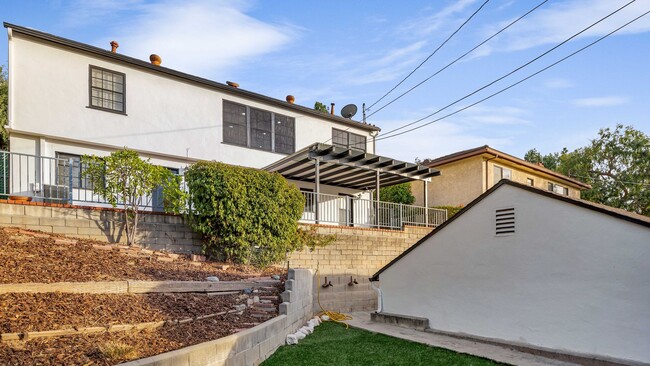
column 258, row 129
column 501, row 173
column 556, row 188
column 530, row 182
column 107, row 89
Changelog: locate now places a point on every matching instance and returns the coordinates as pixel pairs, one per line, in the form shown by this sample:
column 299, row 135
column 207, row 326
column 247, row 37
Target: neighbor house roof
column 501, row 155
column 349, row 168
column 116, row 57
column 604, row 209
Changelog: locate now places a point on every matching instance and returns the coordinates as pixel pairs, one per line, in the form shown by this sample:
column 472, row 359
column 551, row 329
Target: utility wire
column 508, row 74
column 457, row 59
column 601, row 180
column 430, row 55
column 518, row 82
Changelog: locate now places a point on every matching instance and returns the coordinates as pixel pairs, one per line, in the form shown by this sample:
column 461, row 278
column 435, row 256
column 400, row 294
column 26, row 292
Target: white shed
column 528, row 267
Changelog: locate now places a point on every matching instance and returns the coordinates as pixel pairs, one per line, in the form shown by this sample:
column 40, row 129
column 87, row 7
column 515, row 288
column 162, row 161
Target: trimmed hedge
column 245, row 215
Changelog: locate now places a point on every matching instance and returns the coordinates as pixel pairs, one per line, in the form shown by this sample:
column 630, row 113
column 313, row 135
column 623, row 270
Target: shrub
column 117, row 351
column 245, row 215
column 399, row 193
column 451, row 210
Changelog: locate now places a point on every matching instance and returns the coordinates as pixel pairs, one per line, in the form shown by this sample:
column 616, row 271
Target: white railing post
column 70, row 165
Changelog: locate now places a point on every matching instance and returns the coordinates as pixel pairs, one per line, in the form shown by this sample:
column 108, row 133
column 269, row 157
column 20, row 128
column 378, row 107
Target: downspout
column 380, row 297
column 486, row 171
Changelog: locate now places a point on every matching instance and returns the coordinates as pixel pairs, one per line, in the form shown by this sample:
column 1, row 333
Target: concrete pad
column 362, row 320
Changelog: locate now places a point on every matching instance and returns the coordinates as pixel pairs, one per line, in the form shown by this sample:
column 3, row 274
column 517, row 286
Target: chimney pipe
column 155, row 59
column 114, row 46
column 332, row 109
column 291, row 99
column 233, row 84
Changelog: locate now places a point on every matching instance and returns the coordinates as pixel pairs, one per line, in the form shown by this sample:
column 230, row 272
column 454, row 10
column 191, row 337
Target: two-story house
column 469, row 173
column 67, row 99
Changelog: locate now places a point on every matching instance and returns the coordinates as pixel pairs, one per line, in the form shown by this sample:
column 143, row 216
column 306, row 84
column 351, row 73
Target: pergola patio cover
column 349, row 168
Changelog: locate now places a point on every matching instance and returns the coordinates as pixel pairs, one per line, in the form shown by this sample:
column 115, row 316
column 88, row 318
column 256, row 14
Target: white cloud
column 198, row 36
column 394, row 63
column 608, row 101
column 431, row 23
column 558, row 21
column 558, row 83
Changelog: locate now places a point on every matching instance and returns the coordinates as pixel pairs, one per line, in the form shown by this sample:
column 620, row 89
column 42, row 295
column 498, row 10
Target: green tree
column 399, row 193
column 320, row 107
column 549, row 161
column 616, row 165
column 4, row 101
column 124, row 179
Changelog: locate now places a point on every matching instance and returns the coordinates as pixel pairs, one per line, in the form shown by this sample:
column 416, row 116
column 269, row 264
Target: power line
column 599, row 179
column 430, row 55
column 508, row 74
column 457, row 59
column 518, row 82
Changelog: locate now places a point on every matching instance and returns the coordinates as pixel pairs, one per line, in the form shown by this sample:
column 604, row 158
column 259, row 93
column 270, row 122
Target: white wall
column 164, row 115
column 570, row 279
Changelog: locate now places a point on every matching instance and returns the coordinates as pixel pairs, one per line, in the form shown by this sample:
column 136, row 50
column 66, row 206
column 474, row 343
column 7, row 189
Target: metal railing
column 53, row 180
column 351, row 211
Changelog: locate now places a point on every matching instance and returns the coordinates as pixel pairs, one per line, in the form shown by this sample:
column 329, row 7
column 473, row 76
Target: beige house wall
column 460, row 182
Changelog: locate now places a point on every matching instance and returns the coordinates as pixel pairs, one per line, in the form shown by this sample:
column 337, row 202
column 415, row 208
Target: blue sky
column 355, row 51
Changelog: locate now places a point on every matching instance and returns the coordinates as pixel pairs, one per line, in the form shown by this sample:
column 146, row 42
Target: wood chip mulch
column 26, row 258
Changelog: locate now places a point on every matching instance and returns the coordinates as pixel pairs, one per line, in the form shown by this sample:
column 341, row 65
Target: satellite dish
column 349, row 111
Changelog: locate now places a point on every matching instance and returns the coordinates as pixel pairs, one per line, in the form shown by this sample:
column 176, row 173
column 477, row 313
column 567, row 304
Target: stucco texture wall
column 457, row 185
column 570, row 279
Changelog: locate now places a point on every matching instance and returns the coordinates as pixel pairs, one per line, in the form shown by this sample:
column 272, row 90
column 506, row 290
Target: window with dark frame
column 235, row 127
column 261, row 129
column 107, row 90
column 556, row 188
column 258, row 129
column 285, row 133
column 348, row 140
column 530, row 182
column 63, row 171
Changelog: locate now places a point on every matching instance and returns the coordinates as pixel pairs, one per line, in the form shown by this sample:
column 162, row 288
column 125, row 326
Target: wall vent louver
column 505, row 221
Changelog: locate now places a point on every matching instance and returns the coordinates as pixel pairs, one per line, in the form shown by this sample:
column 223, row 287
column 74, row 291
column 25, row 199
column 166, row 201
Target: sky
column 353, row 52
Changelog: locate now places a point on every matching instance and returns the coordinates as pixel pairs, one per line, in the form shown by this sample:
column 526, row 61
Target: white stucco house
column 532, row 268
column 67, row 99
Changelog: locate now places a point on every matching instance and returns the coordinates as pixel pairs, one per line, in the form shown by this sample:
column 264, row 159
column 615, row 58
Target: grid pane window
column 63, row 171
column 348, row 140
column 234, row 123
column 107, row 89
column 285, row 134
column 260, row 129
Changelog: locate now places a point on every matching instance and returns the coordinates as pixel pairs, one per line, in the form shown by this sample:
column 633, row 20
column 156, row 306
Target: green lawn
column 332, row 344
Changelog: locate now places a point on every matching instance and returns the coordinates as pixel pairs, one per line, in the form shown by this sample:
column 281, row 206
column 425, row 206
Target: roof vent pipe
column 291, row 99
column 155, row 59
column 233, row 84
column 114, row 46
column 332, row 109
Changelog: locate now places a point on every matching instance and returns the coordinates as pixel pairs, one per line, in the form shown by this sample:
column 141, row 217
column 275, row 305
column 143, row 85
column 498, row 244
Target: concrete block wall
column 356, row 254
column 251, row 346
column 155, row 231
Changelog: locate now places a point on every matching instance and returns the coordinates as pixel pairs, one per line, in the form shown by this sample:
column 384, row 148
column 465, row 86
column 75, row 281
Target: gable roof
column 499, row 154
column 131, row 61
column 604, row 209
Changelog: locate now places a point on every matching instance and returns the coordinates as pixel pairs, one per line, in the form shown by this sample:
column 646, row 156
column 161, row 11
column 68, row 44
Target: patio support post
column 377, row 187
column 317, row 188
column 426, row 203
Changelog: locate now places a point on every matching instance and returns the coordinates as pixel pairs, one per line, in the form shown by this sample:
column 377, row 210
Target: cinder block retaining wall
column 155, row 231
column 357, row 253
column 251, row 346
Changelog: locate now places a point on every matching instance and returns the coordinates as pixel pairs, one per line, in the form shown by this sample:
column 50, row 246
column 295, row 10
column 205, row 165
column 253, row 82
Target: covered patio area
column 351, row 177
